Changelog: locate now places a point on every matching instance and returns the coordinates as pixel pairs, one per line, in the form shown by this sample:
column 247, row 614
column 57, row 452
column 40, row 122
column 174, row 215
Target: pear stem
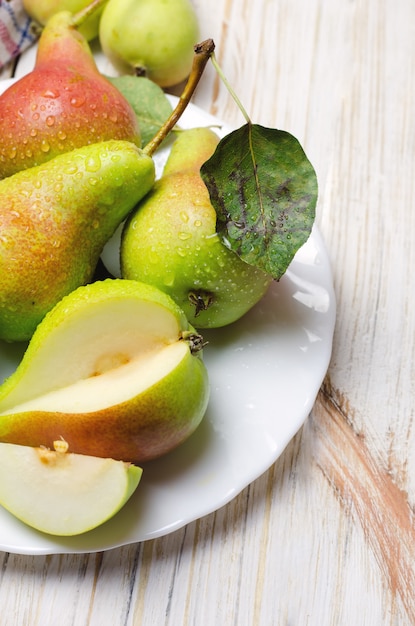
column 229, row 88
column 79, row 18
column 203, row 52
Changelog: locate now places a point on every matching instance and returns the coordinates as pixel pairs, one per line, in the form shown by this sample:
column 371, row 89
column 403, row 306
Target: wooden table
column 327, row 535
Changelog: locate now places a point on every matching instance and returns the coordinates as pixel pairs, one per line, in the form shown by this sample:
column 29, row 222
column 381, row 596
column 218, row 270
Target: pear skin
column 54, row 221
column 114, row 369
column 170, row 241
column 62, row 104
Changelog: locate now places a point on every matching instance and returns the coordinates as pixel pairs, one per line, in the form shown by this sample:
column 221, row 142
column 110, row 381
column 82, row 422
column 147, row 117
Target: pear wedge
column 114, row 369
column 62, row 493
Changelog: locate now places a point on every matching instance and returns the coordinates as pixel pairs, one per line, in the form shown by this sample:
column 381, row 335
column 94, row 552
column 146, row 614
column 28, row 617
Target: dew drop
column 35, row 116
column 169, row 279
column 184, row 217
column 181, row 252
column 77, row 102
column 61, row 135
column 33, row 132
column 93, row 164
column 198, row 223
column 45, row 147
column 51, row 93
column 184, row 236
column 50, row 120
column 12, row 153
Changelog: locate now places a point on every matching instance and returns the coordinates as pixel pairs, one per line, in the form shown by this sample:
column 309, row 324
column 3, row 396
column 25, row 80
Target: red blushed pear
column 62, row 104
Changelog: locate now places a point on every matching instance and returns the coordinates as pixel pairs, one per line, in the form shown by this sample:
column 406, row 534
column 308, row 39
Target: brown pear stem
column 80, row 17
column 203, row 52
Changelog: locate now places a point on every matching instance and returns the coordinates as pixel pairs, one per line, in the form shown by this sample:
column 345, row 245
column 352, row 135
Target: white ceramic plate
column 265, row 373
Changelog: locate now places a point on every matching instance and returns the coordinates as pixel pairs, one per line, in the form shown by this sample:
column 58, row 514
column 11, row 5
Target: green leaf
column 264, row 191
column 148, row 100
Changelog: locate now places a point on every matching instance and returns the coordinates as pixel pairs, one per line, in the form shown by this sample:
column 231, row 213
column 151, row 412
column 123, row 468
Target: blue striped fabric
column 16, row 32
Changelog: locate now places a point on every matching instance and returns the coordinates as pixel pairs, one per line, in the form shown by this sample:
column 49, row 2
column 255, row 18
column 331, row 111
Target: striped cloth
column 16, row 33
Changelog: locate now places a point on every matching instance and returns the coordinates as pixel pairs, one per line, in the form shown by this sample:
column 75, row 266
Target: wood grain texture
column 326, row 536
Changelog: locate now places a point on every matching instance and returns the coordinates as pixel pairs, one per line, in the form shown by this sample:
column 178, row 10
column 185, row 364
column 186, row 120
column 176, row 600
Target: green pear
column 170, row 241
column 62, row 104
column 54, row 221
column 61, row 493
column 42, row 10
column 114, row 369
column 155, row 38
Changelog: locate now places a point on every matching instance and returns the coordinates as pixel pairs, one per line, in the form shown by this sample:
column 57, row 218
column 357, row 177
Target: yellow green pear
column 61, row 493
column 114, row 369
column 170, row 241
column 153, row 38
column 54, row 222
column 42, row 10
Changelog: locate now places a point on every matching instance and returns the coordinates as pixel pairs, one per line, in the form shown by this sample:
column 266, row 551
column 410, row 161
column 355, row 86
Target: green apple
column 62, row 493
column 114, row 369
column 170, row 241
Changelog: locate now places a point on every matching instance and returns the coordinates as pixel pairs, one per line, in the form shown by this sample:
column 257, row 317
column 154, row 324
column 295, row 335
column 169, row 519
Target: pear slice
column 62, row 493
column 114, row 369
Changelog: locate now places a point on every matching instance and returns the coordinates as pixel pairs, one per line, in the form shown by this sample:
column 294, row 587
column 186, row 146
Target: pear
column 61, row 493
column 114, row 369
column 42, row 10
column 62, row 104
column 170, row 241
column 155, row 38
column 54, row 221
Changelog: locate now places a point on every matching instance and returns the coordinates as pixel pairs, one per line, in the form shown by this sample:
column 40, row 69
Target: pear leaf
column 264, row 191
column 148, row 100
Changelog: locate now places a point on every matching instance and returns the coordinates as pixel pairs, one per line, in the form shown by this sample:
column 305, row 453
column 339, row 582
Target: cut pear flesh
column 62, row 493
column 123, row 380
column 99, row 338
column 114, row 369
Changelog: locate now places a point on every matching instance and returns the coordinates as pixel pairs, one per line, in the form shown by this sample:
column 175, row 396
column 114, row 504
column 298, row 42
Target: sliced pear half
column 114, row 369
column 62, row 493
